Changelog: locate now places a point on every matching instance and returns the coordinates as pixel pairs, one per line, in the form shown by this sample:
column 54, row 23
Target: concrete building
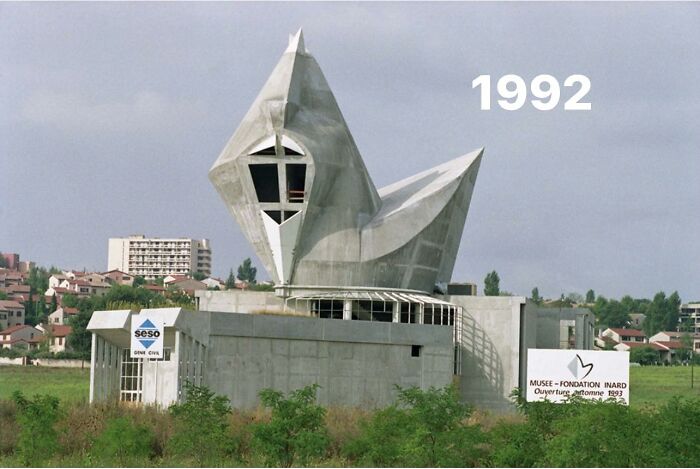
column 237, row 355
column 360, row 265
column 689, row 317
column 158, row 257
column 11, row 260
column 294, row 180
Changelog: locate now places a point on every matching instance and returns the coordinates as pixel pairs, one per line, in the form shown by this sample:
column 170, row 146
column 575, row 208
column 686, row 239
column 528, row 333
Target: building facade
column 158, row 257
column 689, row 317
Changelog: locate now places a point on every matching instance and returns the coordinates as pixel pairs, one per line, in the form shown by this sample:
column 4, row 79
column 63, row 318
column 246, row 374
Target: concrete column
column 347, row 309
column 421, row 311
column 177, row 356
column 396, row 312
column 93, row 359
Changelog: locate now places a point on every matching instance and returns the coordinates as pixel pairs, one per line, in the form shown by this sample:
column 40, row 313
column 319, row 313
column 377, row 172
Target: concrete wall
column 494, row 335
column 238, row 301
column 61, row 363
column 356, row 363
column 553, row 324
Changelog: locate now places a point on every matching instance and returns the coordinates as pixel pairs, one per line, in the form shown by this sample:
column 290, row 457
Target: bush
column 123, row 443
column 296, row 432
column 599, row 434
column 8, row 427
column 38, row 439
column 201, row 427
column 426, row 428
column 676, row 434
column 516, row 445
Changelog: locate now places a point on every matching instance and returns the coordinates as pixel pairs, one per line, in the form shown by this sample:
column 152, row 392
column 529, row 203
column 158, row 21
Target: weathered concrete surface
column 239, row 301
column 553, row 328
column 495, row 333
column 356, row 363
column 343, row 232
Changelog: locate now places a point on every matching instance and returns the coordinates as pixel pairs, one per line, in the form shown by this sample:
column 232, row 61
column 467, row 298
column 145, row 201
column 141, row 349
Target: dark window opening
column 372, row 311
column 289, row 214
column 275, row 215
column 415, row 350
column 266, row 182
column 408, row 313
column 327, row 309
column 289, row 151
column 266, row 151
column 296, row 180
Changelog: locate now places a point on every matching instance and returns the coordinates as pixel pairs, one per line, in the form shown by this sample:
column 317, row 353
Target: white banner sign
column 555, row 375
column 146, row 336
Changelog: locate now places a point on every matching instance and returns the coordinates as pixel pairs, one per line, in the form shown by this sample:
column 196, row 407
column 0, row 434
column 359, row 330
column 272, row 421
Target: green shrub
column 8, row 427
column 675, row 433
column 599, row 434
column 426, row 428
column 516, row 445
column 201, row 427
column 38, row 439
column 296, row 433
column 123, row 443
column 382, row 439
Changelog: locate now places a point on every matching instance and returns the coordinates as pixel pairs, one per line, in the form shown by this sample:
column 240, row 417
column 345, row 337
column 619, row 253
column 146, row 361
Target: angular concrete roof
column 337, row 230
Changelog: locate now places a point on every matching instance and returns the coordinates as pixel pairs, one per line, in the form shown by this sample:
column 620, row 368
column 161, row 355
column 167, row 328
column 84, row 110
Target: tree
column 198, row 276
column 54, row 304
column 590, row 296
column 139, row 281
column 246, row 271
column 574, row 298
column 231, row 280
column 70, row 301
column 662, row 313
column 296, row 433
column 536, row 298
column 644, row 355
column 3, row 262
column 3, row 295
column 200, row 427
column 80, row 339
column 491, row 284
column 610, row 313
column 685, row 352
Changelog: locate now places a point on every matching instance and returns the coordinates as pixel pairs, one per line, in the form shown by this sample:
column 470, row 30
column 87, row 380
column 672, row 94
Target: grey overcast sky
column 111, row 115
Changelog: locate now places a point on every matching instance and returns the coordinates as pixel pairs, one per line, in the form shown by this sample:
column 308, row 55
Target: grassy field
column 68, row 384
column 648, row 384
column 657, row 384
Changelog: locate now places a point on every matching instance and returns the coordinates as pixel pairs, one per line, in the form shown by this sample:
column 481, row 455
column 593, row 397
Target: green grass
column 653, row 385
column 68, row 384
column 649, row 385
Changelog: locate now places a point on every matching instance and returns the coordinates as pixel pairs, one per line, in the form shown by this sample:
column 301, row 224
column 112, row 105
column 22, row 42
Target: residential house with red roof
column 11, row 313
column 23, row 337
column 62, row 315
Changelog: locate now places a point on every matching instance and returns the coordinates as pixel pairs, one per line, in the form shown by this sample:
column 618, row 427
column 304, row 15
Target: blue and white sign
column 146, row 336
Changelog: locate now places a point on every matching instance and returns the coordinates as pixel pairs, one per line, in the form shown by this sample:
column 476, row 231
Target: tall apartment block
column 690, row 317
column 159, row 257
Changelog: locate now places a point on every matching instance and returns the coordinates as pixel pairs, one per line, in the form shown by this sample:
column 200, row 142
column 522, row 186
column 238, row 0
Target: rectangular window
column 415, row 350
column 266, row 182
column 327, row 309
column 296, row 180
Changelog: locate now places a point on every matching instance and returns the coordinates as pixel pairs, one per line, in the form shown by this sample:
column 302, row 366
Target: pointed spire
column 296, row 43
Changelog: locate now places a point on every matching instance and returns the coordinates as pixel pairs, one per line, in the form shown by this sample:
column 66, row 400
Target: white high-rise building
column 159, row 257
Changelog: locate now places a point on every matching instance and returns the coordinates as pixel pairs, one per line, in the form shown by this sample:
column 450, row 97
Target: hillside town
column 39, row 307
